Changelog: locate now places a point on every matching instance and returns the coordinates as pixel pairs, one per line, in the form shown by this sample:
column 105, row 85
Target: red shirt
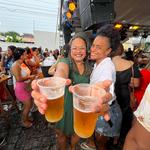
column 144, row 81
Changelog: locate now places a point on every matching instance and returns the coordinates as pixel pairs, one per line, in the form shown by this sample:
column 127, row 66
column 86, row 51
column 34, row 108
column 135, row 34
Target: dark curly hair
column 18, row 53
column 112, row 34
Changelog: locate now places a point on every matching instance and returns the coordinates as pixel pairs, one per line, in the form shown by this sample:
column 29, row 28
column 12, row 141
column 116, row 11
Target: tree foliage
column 12, row 36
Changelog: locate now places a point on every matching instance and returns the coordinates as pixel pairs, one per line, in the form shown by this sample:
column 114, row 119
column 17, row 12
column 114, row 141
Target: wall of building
column 42, row 39
column 48, row 40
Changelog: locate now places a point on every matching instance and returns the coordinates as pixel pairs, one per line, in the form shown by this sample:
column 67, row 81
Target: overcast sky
column 24, row 16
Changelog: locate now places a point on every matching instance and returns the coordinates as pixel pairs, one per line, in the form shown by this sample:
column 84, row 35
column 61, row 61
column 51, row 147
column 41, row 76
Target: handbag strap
column 133, row 78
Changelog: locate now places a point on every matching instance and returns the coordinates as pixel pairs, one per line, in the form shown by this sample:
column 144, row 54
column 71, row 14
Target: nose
column 78, row 49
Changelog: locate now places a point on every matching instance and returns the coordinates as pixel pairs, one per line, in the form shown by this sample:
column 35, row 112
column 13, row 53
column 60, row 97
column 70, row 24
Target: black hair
column 112, row 34
column 18, row 53
column 45, row 54
column 10, row 58
column 34, row 49
column 118, row 52
column 28, row 50
column 12, row 48
column 39, row 49
column 129, row 55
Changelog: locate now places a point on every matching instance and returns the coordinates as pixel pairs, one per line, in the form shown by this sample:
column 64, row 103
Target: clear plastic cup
column 53, row 89
column 85, row 97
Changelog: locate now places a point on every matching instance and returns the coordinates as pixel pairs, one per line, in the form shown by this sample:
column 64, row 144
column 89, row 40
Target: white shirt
column 143, row 111
column 105, row 70
column 49, row 61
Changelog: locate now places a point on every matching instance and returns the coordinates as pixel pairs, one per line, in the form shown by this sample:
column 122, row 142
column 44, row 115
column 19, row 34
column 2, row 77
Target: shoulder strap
column 132, row 77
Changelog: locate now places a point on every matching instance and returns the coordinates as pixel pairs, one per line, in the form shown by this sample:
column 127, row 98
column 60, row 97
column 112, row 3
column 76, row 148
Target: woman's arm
column 62, row 70
column 135, row 82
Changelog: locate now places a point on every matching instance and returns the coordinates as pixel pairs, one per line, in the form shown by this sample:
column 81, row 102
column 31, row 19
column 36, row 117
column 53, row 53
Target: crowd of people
column 107, row 67
column 18, row 67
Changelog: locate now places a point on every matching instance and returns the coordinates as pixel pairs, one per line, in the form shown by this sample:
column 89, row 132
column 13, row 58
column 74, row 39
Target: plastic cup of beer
column 53, row 89
column 85, row 97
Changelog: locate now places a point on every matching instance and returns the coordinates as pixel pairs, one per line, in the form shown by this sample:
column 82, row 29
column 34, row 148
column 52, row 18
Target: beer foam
column 55, row 97
column 81, row 110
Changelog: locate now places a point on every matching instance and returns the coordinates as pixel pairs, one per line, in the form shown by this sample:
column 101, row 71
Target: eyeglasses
column 74, row 48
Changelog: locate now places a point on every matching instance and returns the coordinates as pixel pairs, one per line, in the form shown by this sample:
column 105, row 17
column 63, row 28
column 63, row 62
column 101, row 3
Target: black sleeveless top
column 122, row 86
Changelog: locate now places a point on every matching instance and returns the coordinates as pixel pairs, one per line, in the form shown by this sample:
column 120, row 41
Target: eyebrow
column 96, row 45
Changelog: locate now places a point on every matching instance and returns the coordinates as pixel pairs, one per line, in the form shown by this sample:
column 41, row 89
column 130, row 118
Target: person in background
column 22, row 79
column 7, row 63
column 32, row 61
column 8, row 60
column 65, row 50
column 124, row 76
column 47, row 63
column 46, row 51
column 45, row 55
column 138, row 137
column 129, row 55
column 144, row 81
column 51, row 53
column 141, row 59
column 56, row 53
column 39, row 54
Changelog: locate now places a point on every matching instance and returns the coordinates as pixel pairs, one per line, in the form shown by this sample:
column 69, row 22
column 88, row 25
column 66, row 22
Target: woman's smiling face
column 78, row 49
column 100, row 48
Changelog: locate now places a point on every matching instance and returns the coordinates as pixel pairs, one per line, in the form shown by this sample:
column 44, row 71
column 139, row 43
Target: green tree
column 1, row 33
column 12, row 36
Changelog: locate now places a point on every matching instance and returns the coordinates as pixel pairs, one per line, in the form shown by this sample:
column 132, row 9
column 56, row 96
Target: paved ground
column 39, row 137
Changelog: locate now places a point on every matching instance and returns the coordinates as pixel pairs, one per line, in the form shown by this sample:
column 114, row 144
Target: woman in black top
column 124, row 81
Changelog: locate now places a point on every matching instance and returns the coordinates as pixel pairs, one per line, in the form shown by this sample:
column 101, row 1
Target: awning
column 133, row 11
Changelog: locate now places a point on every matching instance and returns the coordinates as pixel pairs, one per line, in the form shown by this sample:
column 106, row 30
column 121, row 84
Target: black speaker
column 94, row 12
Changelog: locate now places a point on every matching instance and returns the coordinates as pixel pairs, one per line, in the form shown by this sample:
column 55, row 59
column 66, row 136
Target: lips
column 78, row 55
